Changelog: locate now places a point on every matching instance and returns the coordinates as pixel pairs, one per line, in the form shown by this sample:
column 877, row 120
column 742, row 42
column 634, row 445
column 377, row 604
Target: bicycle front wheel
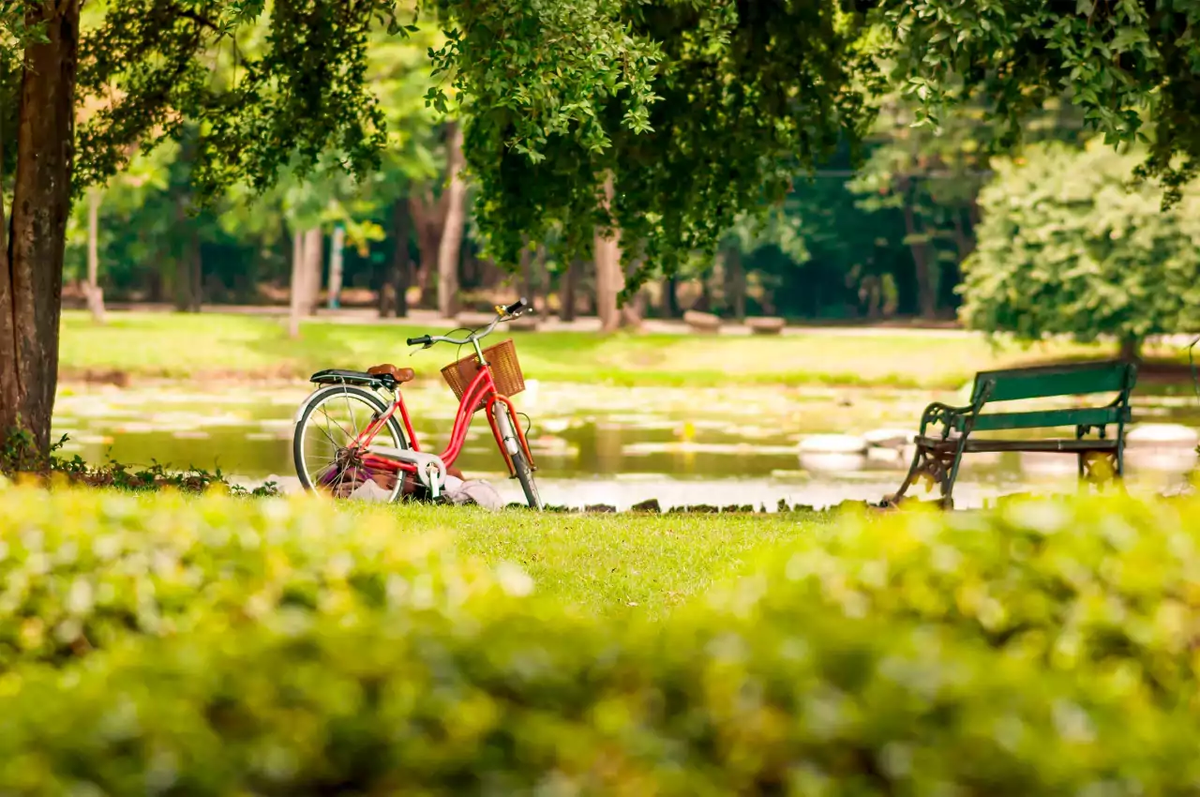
column 326, row 461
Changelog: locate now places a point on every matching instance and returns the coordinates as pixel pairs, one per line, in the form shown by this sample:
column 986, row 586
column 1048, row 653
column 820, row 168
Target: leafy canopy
column 696, row 110
column 1132, row 66
column 270, row 85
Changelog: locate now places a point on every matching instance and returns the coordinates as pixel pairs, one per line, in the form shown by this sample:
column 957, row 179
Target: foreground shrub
column 80, row 569
column 292, row 648
column 524, row 700
column 1109, row 584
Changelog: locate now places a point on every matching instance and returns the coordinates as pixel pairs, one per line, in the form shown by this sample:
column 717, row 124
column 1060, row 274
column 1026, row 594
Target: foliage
column 697, row 111
column 1073, row 586
column 1128, row 65
column 269, row 86
column 84, row 569
column 1065, row 247
column 322, row 655
column 778, row 227
column 19, row 456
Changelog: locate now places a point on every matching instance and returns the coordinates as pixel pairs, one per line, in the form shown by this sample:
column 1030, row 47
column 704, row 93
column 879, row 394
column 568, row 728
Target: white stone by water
column 833, row 444
column 824, row 462
column 1162, row 435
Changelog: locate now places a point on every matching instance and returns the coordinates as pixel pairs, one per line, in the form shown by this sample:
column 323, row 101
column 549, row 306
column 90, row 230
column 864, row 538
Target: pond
column 598, row 444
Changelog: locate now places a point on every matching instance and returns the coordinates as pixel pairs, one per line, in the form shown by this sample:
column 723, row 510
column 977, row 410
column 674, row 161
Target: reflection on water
column 618, row 446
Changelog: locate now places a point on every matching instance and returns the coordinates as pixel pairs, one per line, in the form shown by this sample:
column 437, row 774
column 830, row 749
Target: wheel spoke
column 341, row 428
column 326, row 463
column 353, row 417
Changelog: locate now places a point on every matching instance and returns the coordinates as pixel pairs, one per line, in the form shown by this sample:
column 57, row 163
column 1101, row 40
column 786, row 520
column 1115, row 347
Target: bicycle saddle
column 401, row 375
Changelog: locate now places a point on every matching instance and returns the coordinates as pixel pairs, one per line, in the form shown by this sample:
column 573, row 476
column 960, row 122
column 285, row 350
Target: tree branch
column 199, row 19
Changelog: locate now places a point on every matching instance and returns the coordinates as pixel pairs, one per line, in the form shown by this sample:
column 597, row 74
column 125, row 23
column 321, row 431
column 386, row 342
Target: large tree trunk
column 295, row 309
column 610, row 280
column 634, row 310
column 95, row 296
column 314, row 250
column 532, row 270
column 31, row 270
column 336, row 260
column 670, row 299
column 735, row 282
column 196, row 259
column 452, row 232
column 526, row 278
column 566, row 291
column 188, row 269
column 394, row 292
column 1131, row 349
column 926, row 290
column 429, row 216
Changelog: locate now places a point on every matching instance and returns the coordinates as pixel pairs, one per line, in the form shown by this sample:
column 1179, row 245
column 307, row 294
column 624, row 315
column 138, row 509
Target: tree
column 1065, row 248
column 150, row 65
column 452, row 232
column 751, row 233
column 697, row 113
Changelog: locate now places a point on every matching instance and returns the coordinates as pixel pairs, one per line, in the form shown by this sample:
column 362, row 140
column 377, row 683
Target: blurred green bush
column 267, row 647
column 81, row 568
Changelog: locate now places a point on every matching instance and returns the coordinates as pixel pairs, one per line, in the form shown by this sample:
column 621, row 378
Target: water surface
column 597, row 444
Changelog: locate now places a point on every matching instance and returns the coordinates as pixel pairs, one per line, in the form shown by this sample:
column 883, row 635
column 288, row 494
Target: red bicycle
column 347, row 434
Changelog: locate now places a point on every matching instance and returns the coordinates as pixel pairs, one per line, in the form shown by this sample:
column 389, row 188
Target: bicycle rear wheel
column 326, row 462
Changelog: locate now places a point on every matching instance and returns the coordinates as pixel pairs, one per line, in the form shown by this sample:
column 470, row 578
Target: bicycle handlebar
column 514, row 310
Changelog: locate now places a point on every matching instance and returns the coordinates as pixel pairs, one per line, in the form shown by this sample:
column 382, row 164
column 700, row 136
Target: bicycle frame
column 481, row 390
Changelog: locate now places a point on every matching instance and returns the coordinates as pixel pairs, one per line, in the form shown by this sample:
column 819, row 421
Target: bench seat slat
column 980, row 445
column 1037, row 419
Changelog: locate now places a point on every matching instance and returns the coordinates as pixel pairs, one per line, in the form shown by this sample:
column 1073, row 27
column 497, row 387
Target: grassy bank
column 618, row 564
column 601, row 563
column 214, row 346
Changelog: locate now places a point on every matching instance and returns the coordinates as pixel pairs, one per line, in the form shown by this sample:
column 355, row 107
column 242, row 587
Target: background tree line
column 657, row 141
column 883, row 240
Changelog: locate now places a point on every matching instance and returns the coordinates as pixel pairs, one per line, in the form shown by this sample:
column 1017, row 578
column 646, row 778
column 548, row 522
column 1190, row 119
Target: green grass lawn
column 211, row 345
column 607, row 563
column 598, row 564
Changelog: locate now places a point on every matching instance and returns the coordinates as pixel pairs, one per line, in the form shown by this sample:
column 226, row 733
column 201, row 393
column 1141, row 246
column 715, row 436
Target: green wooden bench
column 1101, row 458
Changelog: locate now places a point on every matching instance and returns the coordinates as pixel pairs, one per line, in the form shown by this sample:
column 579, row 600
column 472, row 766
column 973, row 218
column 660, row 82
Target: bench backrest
column 1081, row 379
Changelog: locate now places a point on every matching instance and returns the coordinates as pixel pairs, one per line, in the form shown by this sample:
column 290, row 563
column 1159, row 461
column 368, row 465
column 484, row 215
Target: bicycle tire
column 315, row 401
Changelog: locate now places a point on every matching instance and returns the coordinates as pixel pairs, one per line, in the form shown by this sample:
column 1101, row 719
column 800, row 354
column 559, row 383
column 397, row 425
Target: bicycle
column 343, row 455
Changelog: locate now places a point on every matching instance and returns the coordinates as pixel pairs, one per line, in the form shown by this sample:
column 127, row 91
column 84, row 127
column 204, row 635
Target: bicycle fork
column 508, row 434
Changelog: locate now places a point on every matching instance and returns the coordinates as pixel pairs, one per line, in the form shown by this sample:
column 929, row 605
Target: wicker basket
column 506, row 371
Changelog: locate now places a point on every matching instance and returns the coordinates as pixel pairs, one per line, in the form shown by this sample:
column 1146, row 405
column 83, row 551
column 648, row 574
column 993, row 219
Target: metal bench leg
column 911, row 476
column 938, row 467
column 952, row 477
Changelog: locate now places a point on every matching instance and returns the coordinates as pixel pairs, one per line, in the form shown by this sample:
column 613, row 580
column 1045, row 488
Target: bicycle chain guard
column 430, row 468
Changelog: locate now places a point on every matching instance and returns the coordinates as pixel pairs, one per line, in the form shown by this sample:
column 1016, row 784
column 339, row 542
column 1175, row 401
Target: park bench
column 1101, row 458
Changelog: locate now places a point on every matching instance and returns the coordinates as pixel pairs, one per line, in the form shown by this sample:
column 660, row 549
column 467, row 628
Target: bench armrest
column 944, row 414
